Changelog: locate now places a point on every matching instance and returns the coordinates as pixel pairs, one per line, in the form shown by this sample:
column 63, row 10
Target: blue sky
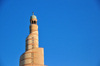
column 69, row 31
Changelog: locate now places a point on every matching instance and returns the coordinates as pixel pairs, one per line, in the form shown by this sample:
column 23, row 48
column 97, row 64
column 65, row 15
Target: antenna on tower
column 33, row 13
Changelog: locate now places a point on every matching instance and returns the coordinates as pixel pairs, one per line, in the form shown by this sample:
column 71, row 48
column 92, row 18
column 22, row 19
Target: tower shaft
column 33, row 56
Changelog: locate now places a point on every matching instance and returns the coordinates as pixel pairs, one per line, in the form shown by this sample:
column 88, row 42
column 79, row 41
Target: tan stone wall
column 33, row 27
column 33, row 20
column 35, row 56
column 32, row 39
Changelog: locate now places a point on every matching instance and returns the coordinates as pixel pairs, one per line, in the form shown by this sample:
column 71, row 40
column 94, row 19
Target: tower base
column 33, row 57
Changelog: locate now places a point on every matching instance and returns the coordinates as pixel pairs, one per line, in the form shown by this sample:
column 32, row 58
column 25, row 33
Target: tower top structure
column 33, row 16
column 33, row 19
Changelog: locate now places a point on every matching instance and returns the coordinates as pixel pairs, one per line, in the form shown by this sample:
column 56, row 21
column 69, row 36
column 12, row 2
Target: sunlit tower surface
column 33, row 56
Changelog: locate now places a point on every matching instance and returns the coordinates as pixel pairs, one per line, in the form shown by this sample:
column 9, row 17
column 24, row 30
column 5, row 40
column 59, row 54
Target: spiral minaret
column 33, row 56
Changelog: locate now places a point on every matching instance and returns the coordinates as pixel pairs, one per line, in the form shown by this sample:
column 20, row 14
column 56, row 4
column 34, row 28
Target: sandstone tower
column 33, row 56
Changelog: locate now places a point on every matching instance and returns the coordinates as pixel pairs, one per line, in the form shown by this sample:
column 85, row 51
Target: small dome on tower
column 33, row 16
column 33, row 19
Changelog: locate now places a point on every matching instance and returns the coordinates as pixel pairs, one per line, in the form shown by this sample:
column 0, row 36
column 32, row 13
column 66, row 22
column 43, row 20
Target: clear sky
column 69, row 31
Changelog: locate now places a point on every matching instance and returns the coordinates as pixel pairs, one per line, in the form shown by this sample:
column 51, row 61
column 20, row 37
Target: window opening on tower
column 33, row 22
